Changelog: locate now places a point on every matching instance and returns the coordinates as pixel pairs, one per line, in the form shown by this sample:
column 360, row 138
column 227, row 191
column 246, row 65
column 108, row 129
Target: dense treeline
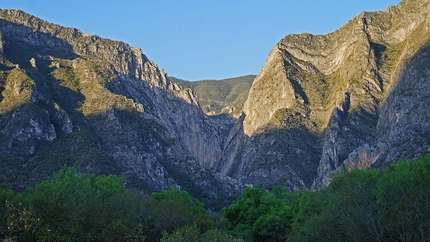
column 81, row 207
column 392, row 204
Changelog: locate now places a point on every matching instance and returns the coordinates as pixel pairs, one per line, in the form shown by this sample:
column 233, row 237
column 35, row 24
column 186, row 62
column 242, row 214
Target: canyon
column 354, row 98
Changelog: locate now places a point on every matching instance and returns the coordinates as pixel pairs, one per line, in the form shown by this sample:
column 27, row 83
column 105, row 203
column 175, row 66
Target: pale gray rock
column 63, row 121
column 1, row 43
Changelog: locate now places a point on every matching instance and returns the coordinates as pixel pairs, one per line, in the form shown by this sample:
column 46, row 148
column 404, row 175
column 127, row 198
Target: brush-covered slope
column 357, row 96
column 225, row 96
column 100, row 106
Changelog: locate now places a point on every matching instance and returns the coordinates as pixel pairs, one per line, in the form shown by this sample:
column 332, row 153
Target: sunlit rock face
column 351, row 98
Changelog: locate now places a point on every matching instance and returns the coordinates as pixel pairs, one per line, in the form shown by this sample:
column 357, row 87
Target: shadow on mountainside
column 404, row 121
column 21, row 44
column 277, row 155
column 134, row 144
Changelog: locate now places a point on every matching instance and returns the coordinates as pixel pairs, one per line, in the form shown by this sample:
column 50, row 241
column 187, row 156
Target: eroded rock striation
column 351, row 98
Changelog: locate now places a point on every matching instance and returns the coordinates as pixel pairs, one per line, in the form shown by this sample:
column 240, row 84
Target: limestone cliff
column 355, row 97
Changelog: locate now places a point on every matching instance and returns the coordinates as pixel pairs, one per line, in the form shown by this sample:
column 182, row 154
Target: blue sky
column 199, row 39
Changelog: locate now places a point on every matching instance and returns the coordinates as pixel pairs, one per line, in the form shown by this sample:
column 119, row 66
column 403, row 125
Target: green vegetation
column 359, row 205
column 85, row 85
column 378, row 205
column 81, row 207
column 192, row 234
column 17, row 90
column 220, row 96
column 71, row 207
column 261, row 215
column 172, row 209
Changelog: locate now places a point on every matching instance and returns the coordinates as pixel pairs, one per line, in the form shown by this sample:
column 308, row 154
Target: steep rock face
column 404, row 122
column 402, row 129
column 128, row 62
column 343, row 95
column 101, row 106
column 399, row 37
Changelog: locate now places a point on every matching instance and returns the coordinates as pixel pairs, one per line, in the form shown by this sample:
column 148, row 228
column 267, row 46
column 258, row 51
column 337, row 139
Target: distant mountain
column 216, row 97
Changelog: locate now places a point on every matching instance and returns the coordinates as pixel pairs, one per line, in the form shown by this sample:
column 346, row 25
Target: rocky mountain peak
column 334, row 92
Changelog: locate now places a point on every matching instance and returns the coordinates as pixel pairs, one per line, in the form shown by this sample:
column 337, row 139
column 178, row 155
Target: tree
column 78, row 207
column 354, row 196
column 262, row 214
column 312, row 214
column 370, row 205
column 17, row 221
column 171, row 209
column 404, row 199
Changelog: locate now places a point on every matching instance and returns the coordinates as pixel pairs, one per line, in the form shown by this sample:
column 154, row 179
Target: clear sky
column 200, row 39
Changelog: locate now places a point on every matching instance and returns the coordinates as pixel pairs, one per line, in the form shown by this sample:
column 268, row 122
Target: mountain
column 356, row 97
column 222, row 100
column 216, row 97
column 68, row 98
